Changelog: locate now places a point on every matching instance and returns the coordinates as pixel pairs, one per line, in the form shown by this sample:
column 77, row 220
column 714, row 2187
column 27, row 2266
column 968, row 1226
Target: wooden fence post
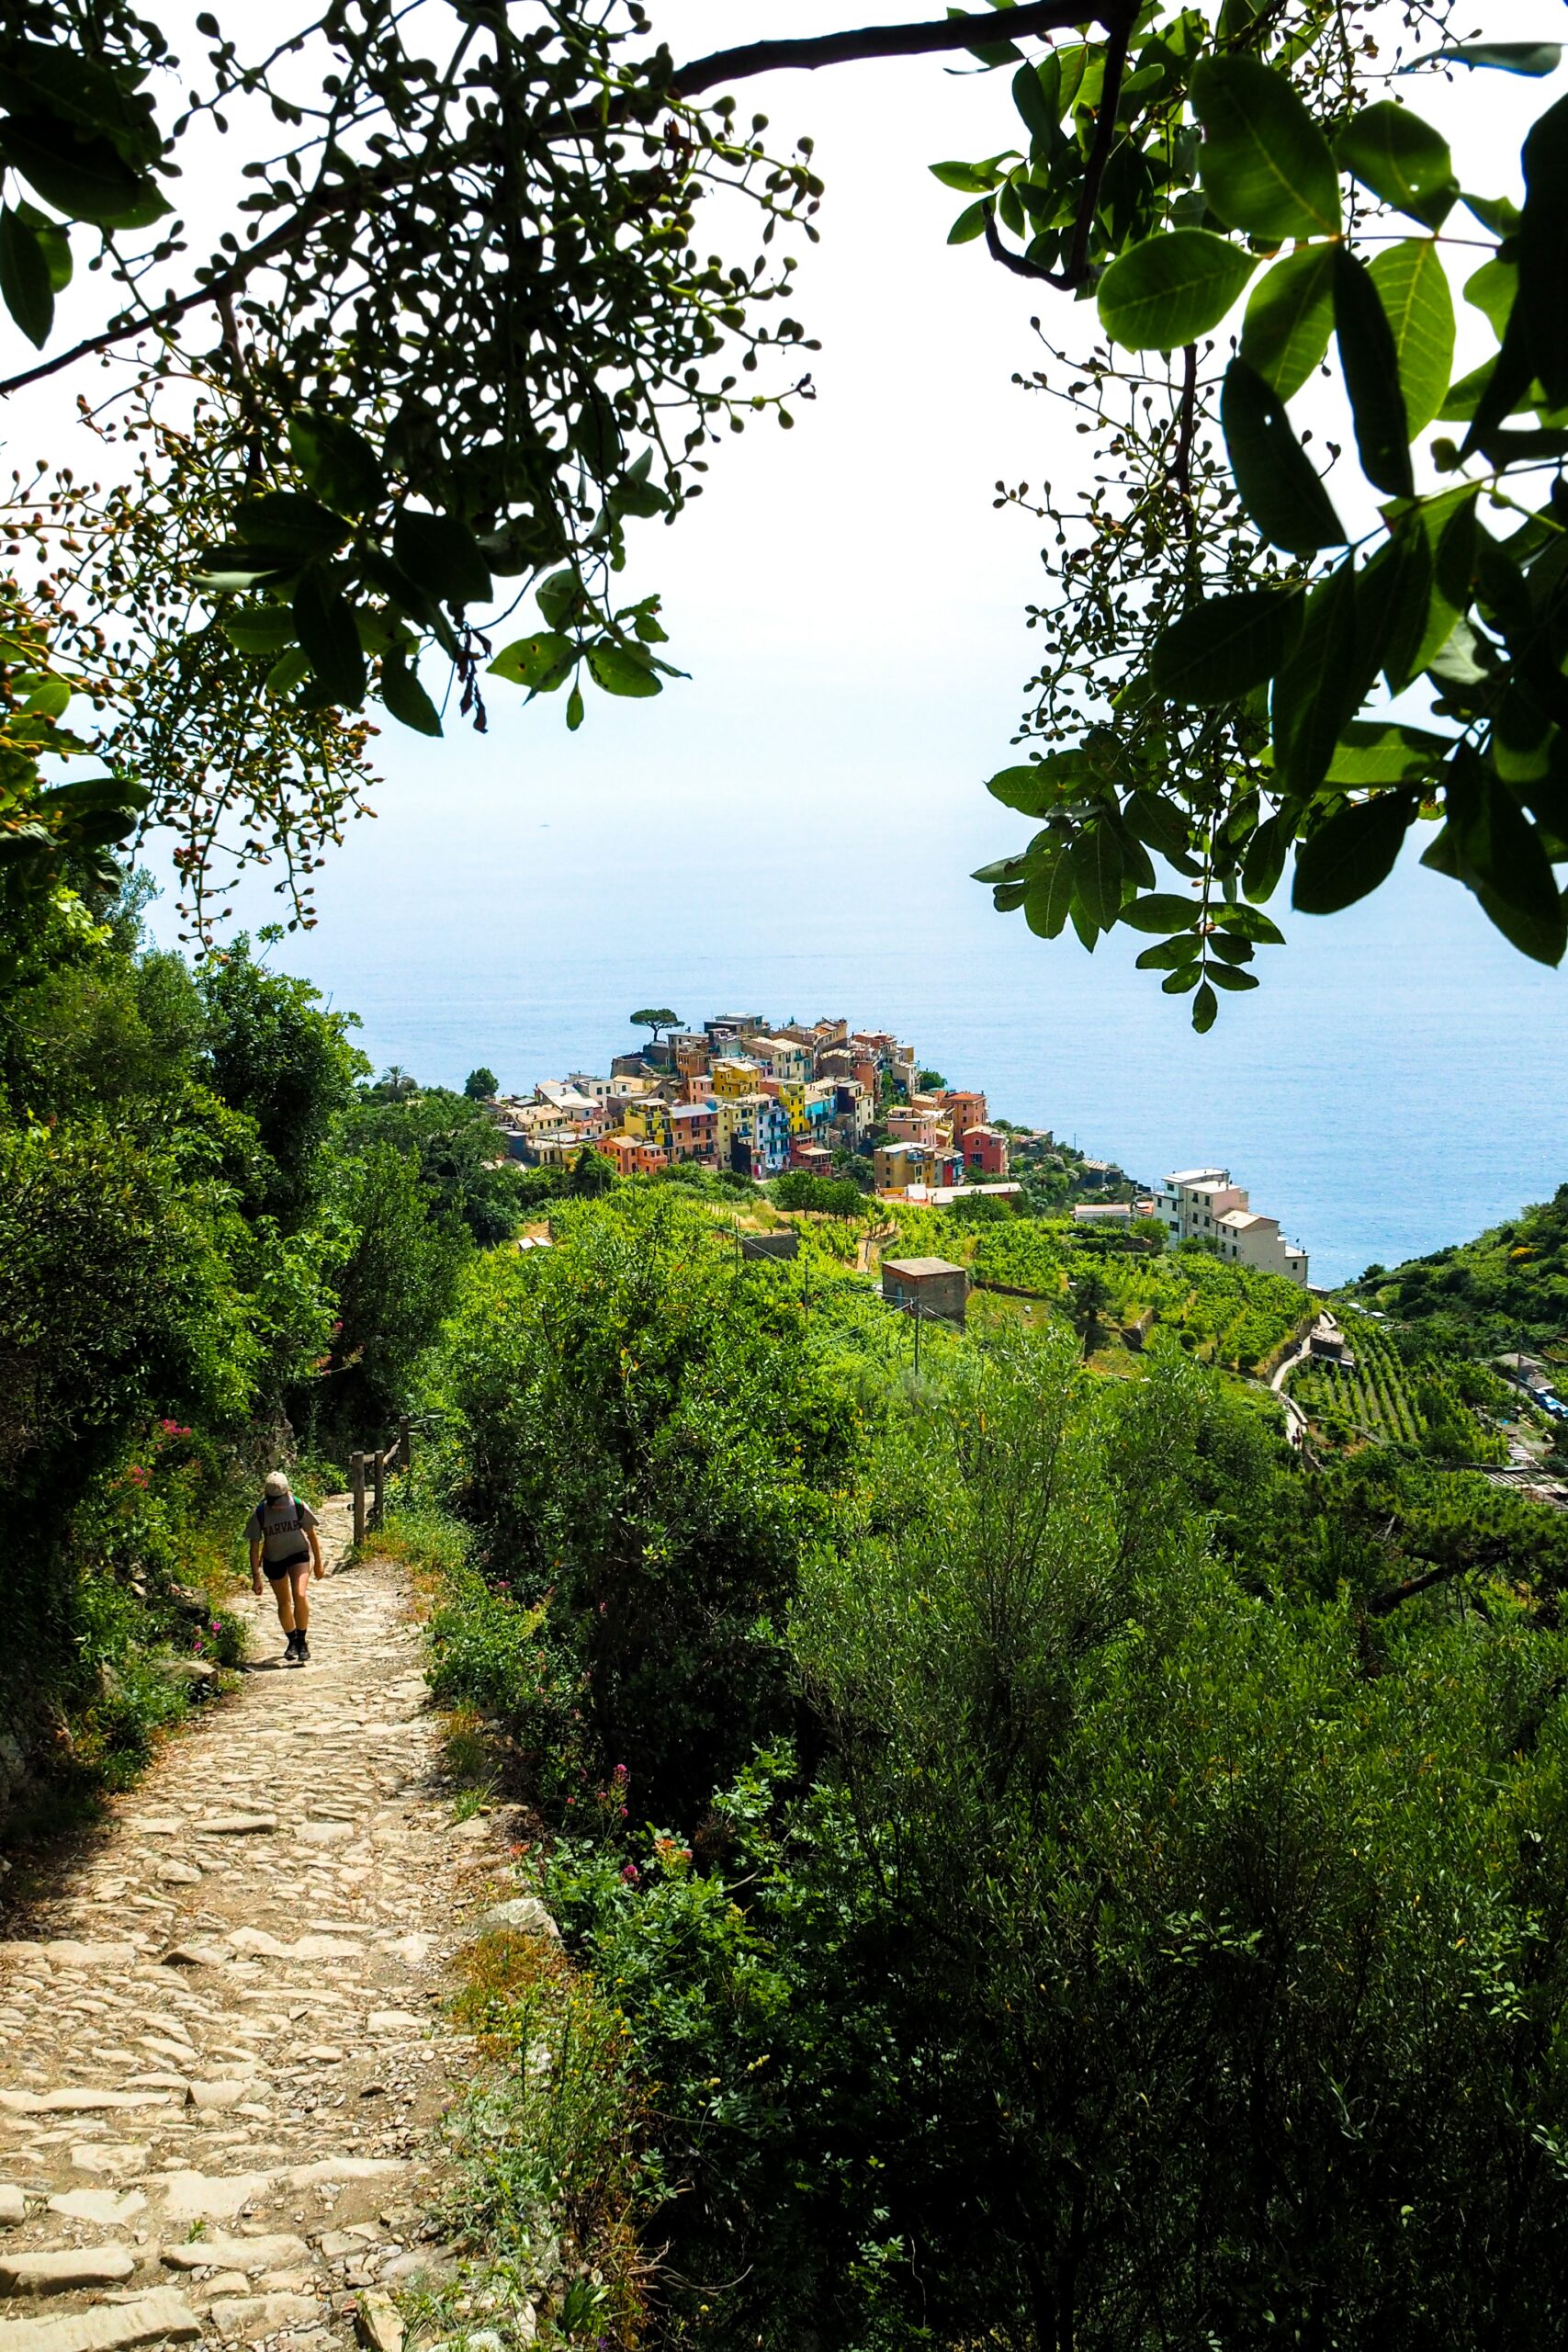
column 405, row 1444
column 379, row 1472
column 356, row 1487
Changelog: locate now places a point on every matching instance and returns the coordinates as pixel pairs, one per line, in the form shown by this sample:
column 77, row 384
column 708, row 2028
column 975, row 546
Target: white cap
column 276, row 1482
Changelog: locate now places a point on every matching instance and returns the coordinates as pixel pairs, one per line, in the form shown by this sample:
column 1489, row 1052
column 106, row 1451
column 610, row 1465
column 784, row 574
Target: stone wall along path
column 224, row 2055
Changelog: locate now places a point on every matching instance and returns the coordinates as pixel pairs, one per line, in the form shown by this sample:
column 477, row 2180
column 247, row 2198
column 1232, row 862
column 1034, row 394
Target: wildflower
column 631, row 1874
column 621, row 1773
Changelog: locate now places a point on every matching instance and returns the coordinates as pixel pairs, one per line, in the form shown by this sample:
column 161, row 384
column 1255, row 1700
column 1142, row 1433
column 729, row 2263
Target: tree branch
column 1381, row 1604
column 218, row 289
column 1118, row 22
column 884, row 40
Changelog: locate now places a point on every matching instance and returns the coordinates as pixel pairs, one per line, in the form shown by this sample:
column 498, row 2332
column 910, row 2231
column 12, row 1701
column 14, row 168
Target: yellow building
column 647, row 1121
column 731, row 1076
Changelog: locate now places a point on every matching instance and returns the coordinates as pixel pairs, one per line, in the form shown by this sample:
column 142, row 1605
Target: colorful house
column 732, row 1076
column 694, row 1133
column 985, row 1151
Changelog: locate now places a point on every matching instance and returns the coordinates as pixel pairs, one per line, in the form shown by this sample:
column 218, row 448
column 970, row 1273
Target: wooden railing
column 369, row 1508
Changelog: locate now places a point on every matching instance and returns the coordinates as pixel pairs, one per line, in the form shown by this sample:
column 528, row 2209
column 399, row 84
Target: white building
column 1203, row 1204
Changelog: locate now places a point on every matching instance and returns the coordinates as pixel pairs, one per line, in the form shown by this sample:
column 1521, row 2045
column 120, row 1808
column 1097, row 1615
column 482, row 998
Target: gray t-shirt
column 279, row 1524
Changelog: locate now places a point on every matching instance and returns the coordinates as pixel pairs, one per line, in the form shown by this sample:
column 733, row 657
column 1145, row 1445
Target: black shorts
column 274, row 1569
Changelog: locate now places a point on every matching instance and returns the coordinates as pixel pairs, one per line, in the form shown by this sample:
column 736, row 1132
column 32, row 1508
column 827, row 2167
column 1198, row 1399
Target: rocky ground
column 224, row 2055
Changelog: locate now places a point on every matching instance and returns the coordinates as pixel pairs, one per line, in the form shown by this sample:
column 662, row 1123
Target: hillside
column 1508, row 1287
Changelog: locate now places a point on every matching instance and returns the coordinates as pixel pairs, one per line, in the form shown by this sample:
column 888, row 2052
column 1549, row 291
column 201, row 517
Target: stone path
column 223, row 2054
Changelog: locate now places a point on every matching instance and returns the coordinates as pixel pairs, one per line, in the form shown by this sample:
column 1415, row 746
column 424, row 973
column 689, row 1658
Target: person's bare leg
column 282, row 1593
column 300, row 1581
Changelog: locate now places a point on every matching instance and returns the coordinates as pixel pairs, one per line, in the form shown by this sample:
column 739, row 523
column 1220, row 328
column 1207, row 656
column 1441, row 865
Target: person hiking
column 285, row 1548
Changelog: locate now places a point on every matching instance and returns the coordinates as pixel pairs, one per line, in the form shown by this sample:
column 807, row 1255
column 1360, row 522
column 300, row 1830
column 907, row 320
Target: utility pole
column 916, row 1337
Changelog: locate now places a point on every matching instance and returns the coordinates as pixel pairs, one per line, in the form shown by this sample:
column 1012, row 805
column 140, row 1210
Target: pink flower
column 621, row 1772
column 631, row 1874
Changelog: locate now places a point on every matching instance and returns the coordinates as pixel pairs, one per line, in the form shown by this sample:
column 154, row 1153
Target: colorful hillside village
column 742, row 1095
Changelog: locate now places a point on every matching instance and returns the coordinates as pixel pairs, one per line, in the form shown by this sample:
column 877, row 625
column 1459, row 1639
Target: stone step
column 161, row 2317
column 67, row 2272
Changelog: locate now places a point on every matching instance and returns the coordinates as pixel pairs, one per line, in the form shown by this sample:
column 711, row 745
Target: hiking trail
column 223, row 2053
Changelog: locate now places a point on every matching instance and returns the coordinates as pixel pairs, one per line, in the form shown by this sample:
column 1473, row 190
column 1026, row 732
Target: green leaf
column 1039, row 787
column 441, row 556
column 1394, row 599
column 1535, row 57
column 1098, row 865
column 1248, row 923
column 52, row 698
column 1159, row 822
column 1413, row 290
column 542, row 662
column 55, row 240
column 1277, row 483
column 1290, row 317
column 1400, row 159
column 1375, row 752
column 1225, row 646
column 1371, row 362
column 1543, row 251
column 618, row 671
column 1320, row 688
column 1163, row 911
column 1008, row 897
column 1448, row 527
column 1351, row 854
column 1001, row 870
column 1186, row 976
column 1036, row 93
column 337, row 462
column 1225, row 976
column 287, row 672
column 1172, row 288
column 326, row 629
column 1049, row 897
column 260, row 628
column 244, row 564
column 115, row 793
column 1490, row 846
column 1169, row 956
column 969, row 179
column 25, row 283
column 1205, row 1005
column 560, row 597
column 284, row 519
column 970, row 224
column 1266, row 167
column 85, row 178
column 1265, row 855
column 574, row 710
column 48, row 79
column 1491, row 291
column 406, row 699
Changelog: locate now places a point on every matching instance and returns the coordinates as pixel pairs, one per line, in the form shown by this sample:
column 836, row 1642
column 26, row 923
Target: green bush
column 647, row 1435
column 1136, row 1962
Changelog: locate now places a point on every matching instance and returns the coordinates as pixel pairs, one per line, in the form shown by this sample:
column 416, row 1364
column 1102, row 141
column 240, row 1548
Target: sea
column 1398, row 1080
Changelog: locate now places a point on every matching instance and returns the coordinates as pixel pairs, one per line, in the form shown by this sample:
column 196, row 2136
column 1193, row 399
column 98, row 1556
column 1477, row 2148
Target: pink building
column 984, row 1151
column 694, row 1133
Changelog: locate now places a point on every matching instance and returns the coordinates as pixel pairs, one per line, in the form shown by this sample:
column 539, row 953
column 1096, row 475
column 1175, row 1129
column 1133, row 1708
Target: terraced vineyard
column 1226, row 1315
column 1383, row 1398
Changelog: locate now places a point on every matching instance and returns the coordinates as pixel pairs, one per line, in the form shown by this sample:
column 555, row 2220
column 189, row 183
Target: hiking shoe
column 291, row 1650
column 301, row 1649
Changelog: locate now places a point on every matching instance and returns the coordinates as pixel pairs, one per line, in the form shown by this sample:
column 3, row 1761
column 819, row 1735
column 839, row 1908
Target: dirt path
column 224, row 2057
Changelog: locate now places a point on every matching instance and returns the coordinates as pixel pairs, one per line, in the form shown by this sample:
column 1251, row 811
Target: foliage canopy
column 1242, row 665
